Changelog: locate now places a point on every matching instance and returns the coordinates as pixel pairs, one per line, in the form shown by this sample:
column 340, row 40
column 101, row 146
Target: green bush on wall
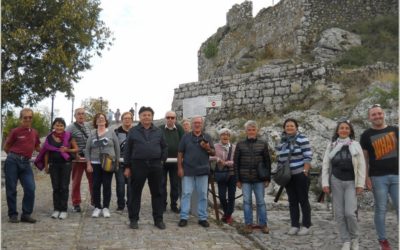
column 211, row 50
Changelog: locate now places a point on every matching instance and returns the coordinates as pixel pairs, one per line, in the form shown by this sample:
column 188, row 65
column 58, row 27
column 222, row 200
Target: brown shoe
column 248, row 229
column 265, row 229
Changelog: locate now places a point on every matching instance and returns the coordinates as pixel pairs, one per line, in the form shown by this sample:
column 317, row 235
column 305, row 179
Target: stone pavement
column 80, row 231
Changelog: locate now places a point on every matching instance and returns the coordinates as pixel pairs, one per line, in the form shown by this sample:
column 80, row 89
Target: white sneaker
column 96, row 212
column 63, row 215
column 354, row 244
column 303, row 231
column 55, row 214
column 346, row 246
column 106, row 213
column 293, row 230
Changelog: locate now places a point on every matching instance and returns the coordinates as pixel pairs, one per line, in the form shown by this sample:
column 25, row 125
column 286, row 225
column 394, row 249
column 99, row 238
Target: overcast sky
column 155, row 50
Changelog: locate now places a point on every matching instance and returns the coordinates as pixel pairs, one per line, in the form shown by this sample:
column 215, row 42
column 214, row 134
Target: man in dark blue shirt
column 145, row 153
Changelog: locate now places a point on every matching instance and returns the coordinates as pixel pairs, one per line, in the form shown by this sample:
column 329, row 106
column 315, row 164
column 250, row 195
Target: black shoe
column 204, row 223
column 13, row 219
column 76, row 209
column 27, row 219
column 134, row 224
column 182, row 223
column 160, row 224
column 175, row 210
column 120, row 209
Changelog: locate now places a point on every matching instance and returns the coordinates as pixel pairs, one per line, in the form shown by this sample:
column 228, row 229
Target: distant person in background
column 19, row 146
column 132, row 111
column 173, row 133
column 56, row 155
column 80, row 131
column 121, row 180
column 343, row 174
column 101, row 140
column 186, row 126
column 110, row 116
column 380, row 145
column 117, row 115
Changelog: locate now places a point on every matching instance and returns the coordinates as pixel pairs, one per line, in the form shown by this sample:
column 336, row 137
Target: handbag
column 107, row 162
column 283, row 174
column 223, row 175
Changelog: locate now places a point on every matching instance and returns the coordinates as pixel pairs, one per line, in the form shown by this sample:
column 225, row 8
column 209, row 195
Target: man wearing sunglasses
column 19, row 146
column 380, row 145
column 173, row 133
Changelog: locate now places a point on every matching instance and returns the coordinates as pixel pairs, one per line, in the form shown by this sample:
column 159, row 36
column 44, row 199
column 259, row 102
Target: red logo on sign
column 213, row 104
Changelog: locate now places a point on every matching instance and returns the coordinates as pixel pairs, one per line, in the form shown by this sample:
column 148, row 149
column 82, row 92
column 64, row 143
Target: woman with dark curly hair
column 343, row 174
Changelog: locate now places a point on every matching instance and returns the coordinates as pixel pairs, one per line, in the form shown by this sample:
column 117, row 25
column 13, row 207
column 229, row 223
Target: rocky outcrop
column 333, row 43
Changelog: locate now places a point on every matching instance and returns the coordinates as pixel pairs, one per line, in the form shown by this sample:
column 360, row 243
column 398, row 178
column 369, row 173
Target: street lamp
column 72, row 109
column 52, row 110
column 135, row 111
column 101, row 104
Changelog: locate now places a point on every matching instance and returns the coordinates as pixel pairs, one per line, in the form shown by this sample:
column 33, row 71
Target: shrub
column 211, row 49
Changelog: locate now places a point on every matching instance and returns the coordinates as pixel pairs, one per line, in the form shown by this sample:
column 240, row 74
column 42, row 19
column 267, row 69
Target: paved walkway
column 80, row 231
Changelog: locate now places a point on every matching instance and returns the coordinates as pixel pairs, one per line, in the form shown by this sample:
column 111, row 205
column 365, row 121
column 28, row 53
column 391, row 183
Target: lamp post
column 72, row 109
column 101, row 104
column 135, row 111
column 52, row 110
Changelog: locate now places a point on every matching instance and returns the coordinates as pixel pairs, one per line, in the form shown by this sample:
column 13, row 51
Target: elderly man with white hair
column 225, row 175
column 194, row 151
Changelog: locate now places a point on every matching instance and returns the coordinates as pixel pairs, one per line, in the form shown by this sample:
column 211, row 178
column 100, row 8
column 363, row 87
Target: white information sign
column 214, row 101
column 194, row 106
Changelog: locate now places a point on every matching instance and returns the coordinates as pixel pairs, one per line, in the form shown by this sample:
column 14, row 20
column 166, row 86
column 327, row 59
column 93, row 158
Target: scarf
column 288, row 140
column 337, row 145
column 39, row 161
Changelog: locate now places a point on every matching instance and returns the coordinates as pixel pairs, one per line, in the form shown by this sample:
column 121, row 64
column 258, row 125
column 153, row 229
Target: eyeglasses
column 377, row 105
column 27, row 117
column 170, row 117
column 343, row 120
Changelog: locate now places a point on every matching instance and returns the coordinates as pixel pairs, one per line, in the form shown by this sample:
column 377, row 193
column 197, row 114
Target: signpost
column 198, row 105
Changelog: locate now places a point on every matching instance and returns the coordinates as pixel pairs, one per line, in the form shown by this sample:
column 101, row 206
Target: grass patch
column 211, row 49
column 379, row 43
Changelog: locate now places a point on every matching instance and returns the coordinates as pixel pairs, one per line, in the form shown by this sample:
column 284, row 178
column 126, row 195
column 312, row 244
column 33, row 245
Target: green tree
column 40, row 121
column 45, row 45
column 94, row 106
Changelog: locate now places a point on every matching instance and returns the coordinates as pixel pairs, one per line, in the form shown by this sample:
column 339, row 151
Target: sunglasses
column 344, row 120
column 170, row 117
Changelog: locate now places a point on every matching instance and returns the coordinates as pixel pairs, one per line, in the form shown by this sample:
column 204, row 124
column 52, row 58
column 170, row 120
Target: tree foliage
column 40, row 121
column 93, row 106
column 45, row 45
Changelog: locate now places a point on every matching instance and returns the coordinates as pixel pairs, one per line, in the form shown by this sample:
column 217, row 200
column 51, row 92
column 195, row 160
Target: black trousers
column 141, row 171
column 101, row 179
column 171, row 170
column 297, row 191
column 60, row 174
column 227, row 204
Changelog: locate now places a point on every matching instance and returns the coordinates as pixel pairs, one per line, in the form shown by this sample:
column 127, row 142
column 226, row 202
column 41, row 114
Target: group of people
column 149, row 153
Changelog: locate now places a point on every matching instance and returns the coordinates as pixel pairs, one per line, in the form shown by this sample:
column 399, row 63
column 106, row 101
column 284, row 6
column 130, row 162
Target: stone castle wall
column 287, row 29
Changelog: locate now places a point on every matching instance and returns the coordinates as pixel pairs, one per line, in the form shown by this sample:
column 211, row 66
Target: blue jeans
column 121, row 182
column 381, row 187
column 259, row 191
column 16, row 169
column 229, row 186
column 189, row 184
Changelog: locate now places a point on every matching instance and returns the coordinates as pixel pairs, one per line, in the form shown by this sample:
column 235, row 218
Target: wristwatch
column 306, row 171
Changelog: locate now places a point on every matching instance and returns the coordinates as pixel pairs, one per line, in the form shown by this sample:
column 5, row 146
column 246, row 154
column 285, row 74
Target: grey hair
column 195, row 117
column 21, row 113
column 170, row 111
column 224, row 131
column 77, row 110
column 250, row 123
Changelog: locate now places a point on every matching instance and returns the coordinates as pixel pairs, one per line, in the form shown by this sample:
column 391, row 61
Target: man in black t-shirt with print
column 380, row 146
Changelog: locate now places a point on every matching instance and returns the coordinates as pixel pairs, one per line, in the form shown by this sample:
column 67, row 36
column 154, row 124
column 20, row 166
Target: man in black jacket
column 145, row 153
column 252, row 166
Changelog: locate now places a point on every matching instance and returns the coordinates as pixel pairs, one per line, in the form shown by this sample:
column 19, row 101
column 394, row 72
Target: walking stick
column 278, row 194
column 214, row 197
